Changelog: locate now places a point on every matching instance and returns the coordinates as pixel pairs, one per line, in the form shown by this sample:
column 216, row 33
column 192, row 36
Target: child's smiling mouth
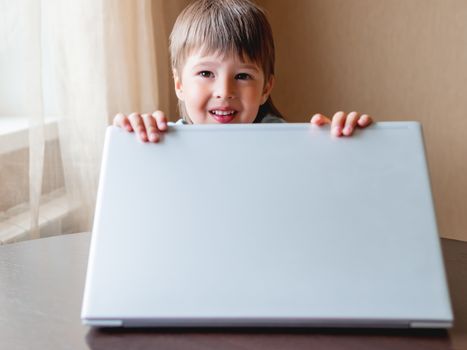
column 223, row 115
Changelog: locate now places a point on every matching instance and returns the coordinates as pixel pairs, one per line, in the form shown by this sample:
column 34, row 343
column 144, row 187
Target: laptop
column 266, row 225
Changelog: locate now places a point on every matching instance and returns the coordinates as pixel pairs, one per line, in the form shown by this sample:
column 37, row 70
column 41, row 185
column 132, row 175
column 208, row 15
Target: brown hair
column 225, row 27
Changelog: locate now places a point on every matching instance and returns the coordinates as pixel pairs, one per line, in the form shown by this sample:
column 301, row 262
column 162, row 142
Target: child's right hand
column 148, row 126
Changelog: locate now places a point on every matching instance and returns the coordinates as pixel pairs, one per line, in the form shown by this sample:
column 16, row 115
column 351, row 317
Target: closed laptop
column 266, row 225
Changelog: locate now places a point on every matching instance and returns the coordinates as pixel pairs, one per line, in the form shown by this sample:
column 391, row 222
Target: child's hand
column 343, row 124
column 147, row 126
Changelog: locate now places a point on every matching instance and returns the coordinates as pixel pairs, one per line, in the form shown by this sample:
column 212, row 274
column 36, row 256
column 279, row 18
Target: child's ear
column 267, row 89
column 178, row 84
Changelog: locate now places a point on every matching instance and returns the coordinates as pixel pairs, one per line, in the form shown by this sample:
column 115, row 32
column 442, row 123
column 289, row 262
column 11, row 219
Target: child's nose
column 224, row 89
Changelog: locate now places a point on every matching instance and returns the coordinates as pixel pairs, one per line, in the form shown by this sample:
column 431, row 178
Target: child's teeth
column 223, row 112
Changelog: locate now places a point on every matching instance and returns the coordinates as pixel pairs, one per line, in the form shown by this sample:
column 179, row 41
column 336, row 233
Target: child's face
column 218, row 89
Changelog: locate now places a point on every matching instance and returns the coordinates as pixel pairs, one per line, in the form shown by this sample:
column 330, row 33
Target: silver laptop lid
column 259, row 225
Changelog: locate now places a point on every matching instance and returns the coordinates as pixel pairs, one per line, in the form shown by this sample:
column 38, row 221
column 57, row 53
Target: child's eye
column 243, row 76
column 206, row 74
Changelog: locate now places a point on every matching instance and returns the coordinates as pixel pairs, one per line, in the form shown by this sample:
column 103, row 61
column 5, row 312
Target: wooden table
column 41, row 286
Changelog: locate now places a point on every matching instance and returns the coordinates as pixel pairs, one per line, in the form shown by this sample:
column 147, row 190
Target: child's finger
column 138, row 126
column 121, row 121
column 337, row 124
column 161, row 120
column 320, row 120
column 350, row 123
column 364, row 121
column 118, row 119
column 126, row 124
column 152, row 131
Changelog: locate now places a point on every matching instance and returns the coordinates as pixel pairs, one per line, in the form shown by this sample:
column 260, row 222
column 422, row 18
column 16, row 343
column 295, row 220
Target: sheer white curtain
column 78, row 63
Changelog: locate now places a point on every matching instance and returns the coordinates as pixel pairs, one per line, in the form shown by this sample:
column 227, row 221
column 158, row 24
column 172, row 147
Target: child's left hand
column 343, row 124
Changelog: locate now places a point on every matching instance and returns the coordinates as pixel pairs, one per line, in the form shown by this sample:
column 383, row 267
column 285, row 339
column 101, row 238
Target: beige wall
column 397, row 60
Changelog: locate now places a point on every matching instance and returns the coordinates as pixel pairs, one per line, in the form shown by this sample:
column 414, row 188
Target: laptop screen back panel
column 266, row 225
